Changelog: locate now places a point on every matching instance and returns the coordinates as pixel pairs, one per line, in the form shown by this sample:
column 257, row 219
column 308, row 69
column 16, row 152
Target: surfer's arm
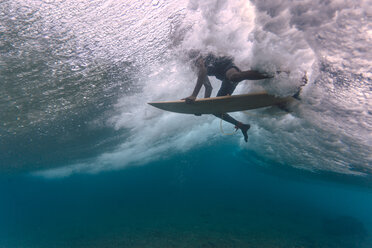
column 202, row 79
column 208, row 88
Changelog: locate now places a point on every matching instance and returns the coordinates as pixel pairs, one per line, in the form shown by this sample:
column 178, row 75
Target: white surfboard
column 222, row 104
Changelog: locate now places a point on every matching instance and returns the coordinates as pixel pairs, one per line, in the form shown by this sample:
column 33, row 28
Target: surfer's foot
column 244, row 128
column 272, row 75
column 304, row 81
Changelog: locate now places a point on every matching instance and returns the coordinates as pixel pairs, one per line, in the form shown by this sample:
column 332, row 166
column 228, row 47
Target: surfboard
column 222, row 104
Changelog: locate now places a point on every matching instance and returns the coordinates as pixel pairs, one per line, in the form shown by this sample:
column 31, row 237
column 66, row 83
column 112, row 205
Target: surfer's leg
column 227, row 88
column 237, row 76
column 228, row 118
column 243, row 127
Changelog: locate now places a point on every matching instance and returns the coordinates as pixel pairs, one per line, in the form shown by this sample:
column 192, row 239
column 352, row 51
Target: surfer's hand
column 189, row 99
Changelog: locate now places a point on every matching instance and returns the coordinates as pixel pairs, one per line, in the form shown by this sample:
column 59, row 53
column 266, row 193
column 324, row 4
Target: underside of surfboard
column 222, row 104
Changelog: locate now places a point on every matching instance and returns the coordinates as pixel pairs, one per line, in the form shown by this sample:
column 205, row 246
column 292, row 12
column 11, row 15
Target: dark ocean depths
column 85, row 162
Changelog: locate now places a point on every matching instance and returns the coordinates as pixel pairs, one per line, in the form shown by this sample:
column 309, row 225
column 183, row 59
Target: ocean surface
column 86, row 162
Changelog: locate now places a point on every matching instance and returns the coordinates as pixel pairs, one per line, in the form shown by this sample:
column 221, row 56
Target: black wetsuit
column 218, row 66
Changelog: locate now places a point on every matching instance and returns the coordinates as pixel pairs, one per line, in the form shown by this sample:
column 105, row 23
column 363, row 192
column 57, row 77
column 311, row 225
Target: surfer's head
column 193, row 54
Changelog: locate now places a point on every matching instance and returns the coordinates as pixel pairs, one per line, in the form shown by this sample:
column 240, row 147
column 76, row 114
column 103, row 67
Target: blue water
column 86, row 162
column 208, row 197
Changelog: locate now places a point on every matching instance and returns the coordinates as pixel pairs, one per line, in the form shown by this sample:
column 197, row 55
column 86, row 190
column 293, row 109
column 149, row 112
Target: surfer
column 224, row 69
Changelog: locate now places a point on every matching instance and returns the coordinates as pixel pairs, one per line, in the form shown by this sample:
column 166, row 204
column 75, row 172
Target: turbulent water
column 85, row 162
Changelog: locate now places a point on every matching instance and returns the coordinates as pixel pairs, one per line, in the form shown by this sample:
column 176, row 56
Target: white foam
column 321, row 133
